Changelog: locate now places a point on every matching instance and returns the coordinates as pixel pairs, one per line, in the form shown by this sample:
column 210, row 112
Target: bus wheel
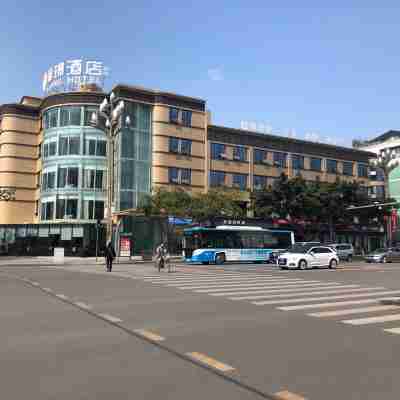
column 220, row 259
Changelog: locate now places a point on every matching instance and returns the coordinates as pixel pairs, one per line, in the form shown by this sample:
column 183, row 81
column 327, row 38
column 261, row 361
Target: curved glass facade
column 74, row 165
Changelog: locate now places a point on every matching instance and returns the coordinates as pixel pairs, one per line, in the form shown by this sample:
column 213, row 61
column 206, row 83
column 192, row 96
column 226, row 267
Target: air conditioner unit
column 223, row 156
column 236, row 185
column 266, row 162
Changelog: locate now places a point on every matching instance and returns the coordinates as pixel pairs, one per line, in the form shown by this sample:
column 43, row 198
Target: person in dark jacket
column 109, row 254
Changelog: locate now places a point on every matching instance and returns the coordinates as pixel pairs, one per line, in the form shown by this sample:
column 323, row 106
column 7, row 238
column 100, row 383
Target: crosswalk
column 332, row 300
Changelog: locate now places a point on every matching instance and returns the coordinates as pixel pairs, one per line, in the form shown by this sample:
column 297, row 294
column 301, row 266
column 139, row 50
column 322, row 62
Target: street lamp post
column 386, row 161
column 111, row 109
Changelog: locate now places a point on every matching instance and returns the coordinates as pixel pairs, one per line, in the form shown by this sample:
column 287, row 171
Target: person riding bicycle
column 161, row 256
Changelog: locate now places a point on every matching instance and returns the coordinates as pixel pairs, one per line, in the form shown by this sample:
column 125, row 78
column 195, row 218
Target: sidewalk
column 14, row 260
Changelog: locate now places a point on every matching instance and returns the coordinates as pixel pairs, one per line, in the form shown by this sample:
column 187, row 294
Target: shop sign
column 70, row 75
column 125, row 247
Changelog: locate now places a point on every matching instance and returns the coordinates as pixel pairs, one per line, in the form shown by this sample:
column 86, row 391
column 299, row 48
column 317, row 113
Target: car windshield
column 379, row 251
column 298, row 248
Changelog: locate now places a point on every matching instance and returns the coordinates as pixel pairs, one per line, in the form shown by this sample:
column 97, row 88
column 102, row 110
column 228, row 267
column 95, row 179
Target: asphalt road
column 241, row 331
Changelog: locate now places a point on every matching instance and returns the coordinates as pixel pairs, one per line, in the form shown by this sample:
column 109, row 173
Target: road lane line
column 210, row 362
column 393, row 330
column 48, row 290
column 149, row 335
column 285, row 395
column 62, row 296
column 327, row 305
column 305, row 299
column 110, row 318
column 264, row 289
column 207, row 278
column 34, row 283
column 350, row 311
column 85, row 306
column 350, row 288
column 372, row 320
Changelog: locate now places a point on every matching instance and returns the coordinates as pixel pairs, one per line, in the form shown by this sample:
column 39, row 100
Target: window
column 217, row 178
column 69, row 145
column 179, row 175
column 180, row 146
column 239, row 181
column 63, row 146
column 362, row 170
column 101, row 148
column 48, row 180
column 259, row 182
column 52, row 148
column 99, row 179
column 315, row 164
column 217, row 151
column 239, row 153
column 50, row 118
column 68, row 177
column 70, row 116
column 280, row 159
column 93, row 179
column 74, row 145
column 173, row 115
column 173, row 145
column 297, row 161
column 90, row 148
column 347, row 168
column 45, row 150
column 186, row 118
column 92, row 209
column 331, row 166
column 87, row 116
column 47, row 211
column 67, row 208
column 260, row 156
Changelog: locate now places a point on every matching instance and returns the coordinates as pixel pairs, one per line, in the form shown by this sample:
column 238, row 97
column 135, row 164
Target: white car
column 303, row 257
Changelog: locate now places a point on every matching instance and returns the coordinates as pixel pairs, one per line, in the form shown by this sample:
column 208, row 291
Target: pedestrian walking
column 109, row 254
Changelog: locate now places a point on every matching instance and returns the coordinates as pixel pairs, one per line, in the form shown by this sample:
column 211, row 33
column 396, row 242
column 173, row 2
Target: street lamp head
column 127, row 120
column 121, row 104
column 108, row 123
column 112, row 96
column 103, row 105
column 93, row 118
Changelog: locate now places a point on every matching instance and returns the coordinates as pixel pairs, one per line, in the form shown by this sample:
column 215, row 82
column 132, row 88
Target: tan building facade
column 56, row 160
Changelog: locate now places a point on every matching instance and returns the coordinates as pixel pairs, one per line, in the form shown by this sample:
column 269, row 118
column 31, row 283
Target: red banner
column 394, row 220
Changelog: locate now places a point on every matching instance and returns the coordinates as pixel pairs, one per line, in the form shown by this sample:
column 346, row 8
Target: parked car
column 308, row 256
column 379, row 255
column 344, row 251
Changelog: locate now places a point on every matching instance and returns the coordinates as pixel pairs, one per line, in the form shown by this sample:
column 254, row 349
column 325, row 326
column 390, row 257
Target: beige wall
column 19, row 167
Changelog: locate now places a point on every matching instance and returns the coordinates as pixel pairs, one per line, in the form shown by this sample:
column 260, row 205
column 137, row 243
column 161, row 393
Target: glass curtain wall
column 133, row 155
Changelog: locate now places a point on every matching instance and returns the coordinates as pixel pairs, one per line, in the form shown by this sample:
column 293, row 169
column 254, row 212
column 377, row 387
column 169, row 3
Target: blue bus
column 234, row 243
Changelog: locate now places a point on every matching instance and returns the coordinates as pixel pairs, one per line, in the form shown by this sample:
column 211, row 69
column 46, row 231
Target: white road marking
column 34, row 283
column 62, row 296
column 393, row 330
column 85, row 306
column 350, row 288
column 327, row 305
column 373, row 320
column 174, row 282
column 226, row 285
column 149, row 335
column 207, row 277
column 46, row 289
column 305, row 299
column 110, row 318
column 258, row 290
column 350, row 311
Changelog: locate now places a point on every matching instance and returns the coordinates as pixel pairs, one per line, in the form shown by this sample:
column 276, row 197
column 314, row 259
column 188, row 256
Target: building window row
column 180, row 146
column 68, row 178
column 71, row 145
column 177, row 116
column 68, row 116
column 181, row 176
column 67, row 208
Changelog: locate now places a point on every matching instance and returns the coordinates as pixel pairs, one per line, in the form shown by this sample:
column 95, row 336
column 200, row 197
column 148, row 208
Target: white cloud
column 215, row 74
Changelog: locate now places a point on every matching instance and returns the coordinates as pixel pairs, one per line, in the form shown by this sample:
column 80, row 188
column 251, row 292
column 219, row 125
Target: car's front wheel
column 333, row 264
column 384, row 260
column 350, row 258
column 302, row 264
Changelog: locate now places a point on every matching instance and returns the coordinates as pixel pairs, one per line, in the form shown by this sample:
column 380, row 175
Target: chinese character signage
column 70, row 75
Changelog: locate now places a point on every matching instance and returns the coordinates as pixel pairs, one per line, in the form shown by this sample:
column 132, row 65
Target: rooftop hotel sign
column 70, row 75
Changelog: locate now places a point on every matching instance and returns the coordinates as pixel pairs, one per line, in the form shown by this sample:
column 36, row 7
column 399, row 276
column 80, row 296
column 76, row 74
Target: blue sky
column 330, row 71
